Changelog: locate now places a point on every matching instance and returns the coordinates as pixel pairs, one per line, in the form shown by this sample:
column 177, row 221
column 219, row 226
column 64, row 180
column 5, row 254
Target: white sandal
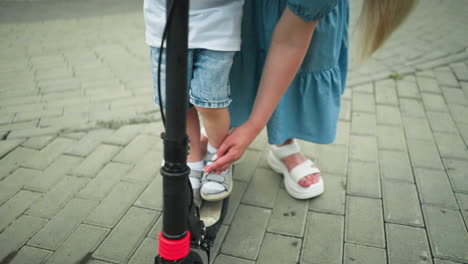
column 291, row 179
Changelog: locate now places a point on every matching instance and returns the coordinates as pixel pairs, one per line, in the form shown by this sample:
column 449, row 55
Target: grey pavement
column 80, row 148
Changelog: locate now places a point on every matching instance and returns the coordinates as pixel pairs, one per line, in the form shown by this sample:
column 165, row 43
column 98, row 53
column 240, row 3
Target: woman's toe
column 309, row 180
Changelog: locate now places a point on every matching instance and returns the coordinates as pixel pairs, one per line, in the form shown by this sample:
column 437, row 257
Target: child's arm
column 289, row 44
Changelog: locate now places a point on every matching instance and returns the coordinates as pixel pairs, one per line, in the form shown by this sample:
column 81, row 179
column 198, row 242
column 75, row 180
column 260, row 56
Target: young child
column 214, row 37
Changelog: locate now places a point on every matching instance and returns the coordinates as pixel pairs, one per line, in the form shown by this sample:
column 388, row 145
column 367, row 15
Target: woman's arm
column 289, row 44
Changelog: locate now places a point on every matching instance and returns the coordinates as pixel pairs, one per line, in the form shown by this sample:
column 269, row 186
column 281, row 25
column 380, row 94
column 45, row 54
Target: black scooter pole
column 174, row 240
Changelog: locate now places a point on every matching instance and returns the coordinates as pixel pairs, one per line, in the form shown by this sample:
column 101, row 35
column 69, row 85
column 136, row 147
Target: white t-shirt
column 213, row 24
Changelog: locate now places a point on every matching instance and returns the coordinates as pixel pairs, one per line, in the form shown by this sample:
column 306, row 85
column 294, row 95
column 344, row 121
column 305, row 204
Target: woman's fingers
column 222, row 163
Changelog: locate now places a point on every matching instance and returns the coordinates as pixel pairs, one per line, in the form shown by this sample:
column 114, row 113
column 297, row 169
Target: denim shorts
column 208, row 77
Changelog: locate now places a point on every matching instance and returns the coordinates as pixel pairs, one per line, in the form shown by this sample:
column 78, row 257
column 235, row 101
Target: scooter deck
column 210, row 212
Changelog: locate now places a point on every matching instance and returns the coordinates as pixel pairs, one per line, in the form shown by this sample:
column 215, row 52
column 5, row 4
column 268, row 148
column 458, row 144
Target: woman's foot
column 302, row 178
column 292, row 161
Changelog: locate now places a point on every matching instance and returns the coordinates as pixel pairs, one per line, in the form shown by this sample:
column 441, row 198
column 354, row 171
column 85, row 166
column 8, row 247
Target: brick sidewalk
column 80, row 153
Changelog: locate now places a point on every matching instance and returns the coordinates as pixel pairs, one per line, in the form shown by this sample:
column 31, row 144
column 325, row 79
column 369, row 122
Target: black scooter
column 184, row 226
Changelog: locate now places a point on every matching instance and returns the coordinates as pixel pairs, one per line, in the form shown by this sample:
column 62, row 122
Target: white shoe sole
column 293, row 188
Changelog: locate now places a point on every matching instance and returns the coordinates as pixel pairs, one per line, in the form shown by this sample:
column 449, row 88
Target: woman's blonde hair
column 379, row 18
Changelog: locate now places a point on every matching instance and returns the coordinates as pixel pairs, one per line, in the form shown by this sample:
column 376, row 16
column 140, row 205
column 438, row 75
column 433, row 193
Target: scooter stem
column 174, row 242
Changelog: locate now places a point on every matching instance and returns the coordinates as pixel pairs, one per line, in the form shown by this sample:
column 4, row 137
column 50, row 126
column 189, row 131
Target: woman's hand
column 233, row 147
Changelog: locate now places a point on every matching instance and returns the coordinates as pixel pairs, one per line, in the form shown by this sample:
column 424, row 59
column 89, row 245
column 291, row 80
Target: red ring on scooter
column 174, row 249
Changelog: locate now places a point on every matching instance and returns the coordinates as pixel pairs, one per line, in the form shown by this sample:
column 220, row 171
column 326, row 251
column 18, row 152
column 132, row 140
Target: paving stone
column 31, row 255
column 18, row 233
column 461, row 71
column 90, row 166
column 8, row 145
column 417, row 128
column 363, row 124
column 146, row 169
column 124, row 135
column 459, row 113
column 223, row 259
column 464, row 132
column 102, row 184
column 20, row 177
column 323, row 241
column 16, row 206
column 38, row 143
column 57, row 197
column 146, row 252
column 7, row 191
column 388, row 115
column 454, row 96
column 364, row 222
column 391, row 137
column 263, row 189
column 407, row 89
column 451, row 146
column 279, row 249
column 238, row 191
column 434, row 188
column 434, row 102
column 245, row 169
column 446, row 78
column 363, row 179
column 343, row 132
column 245, row 237
column 440, row 261
column 333, row 199
column 14, row 159
column 364, row 88
column 363, row 148
column 126, row 236
column 288, row 215
column 333, row 159
column 218, row 242
column 354, row 254
column 53, row 174
column 385, row 93
column 463, row 203
column 447, row 233
column 114, row 205
column 424, row 154
column 363, row 102
column 465, row 88
column 152, row 197
column 441, row 122
column 401, row 203
column 407, row 245
column 345, row 110
column 428, row 85
column 395, row 165
column 157, row 227
column 19, row 125
column 136, row 149
column 88, row 143
column 412, row 108
column 79, row 245
column 50, row 153
column 63, row 224
column 51, row 111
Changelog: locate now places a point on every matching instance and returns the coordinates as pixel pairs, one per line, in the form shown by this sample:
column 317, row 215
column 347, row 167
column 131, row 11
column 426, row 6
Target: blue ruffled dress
column 310, row 108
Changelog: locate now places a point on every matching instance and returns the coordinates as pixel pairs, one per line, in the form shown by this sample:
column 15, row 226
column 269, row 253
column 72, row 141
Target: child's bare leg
column 193, row 131
column 216, row 122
